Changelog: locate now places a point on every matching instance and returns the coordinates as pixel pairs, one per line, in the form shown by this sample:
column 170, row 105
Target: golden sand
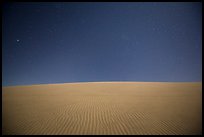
column 121, row 108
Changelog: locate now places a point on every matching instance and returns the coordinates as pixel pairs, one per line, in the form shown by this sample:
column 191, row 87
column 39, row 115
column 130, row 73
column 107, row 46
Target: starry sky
column 85, row 42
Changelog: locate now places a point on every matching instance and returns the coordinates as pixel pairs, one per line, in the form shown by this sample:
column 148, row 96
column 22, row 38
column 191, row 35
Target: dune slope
column 135, row 108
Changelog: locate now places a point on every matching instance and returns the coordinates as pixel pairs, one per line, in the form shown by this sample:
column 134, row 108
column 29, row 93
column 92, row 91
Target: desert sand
column 94, row 108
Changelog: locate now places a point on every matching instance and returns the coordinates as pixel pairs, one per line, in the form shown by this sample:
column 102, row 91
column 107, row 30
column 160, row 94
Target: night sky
column 84, row 42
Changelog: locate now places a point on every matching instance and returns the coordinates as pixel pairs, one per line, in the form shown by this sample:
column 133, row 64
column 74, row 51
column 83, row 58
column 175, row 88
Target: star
column 18, row 40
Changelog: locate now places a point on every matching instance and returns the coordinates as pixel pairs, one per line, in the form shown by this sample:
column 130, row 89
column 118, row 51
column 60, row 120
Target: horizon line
column 80, row 82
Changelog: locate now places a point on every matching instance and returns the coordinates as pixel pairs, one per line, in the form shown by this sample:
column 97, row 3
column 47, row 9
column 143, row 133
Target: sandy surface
column 103, row 108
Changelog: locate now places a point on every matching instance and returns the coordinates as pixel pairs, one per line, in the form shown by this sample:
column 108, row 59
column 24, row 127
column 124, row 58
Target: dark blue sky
column 81, row 42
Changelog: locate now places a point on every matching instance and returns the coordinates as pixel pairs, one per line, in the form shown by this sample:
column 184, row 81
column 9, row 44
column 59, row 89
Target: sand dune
column 135, row 108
